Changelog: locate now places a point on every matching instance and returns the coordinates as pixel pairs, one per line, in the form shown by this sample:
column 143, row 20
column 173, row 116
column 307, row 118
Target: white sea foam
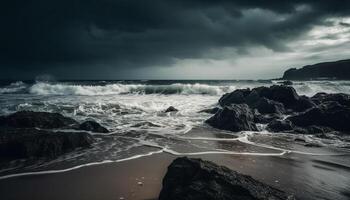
column 43, row 88
column 121, row 107
column 304, row 88
column 308, row 88
column 13, row 87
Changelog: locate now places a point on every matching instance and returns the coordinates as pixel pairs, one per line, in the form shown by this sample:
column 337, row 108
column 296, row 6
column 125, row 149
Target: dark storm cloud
column 40, row 34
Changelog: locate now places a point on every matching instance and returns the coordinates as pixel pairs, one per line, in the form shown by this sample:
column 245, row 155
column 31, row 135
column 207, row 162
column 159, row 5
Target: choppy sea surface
column 134, row 113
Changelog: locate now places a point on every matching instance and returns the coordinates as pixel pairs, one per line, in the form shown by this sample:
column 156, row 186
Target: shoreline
column 141, row 178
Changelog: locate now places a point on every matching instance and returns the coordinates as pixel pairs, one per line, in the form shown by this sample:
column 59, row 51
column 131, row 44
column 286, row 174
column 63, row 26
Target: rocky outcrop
column 327, row 70
column 195, row 179
column 30, row 119
column 322, row 113
column 171, row 109
column 236, row 117
column 46, row 120
column 210, row 110
column 93, row 127
column 28, row 134
column 331, row 114
column 275, row 99
column 321, row 98
column 19, row 143
column 267, row 106
column 236, row 97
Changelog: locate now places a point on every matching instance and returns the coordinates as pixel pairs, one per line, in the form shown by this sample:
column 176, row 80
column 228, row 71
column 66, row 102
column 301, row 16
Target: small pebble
column 139, row 183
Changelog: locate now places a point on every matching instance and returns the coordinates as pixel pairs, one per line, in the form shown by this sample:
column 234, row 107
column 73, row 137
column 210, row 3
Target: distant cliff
column 328, row 70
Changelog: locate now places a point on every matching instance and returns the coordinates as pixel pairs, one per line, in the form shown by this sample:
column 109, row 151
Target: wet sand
column 308, row 177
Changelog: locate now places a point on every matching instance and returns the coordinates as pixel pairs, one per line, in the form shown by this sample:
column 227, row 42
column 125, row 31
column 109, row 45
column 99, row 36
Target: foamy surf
column 134, row 114
column 215, row 88
column 115, row 89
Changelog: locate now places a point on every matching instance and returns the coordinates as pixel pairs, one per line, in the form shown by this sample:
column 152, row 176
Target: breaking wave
column 307, row 88
column 13, row 88
column 110, row 89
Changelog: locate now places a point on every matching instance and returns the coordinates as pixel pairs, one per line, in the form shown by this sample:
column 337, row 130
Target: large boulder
column 30, row 119
column 236, row 117
column 195, row 179
column 283, row 94
column 330, row 114
column 268, row 99
column 235, row 97
column 93, row 127
column 46, row 120
column 19, row 143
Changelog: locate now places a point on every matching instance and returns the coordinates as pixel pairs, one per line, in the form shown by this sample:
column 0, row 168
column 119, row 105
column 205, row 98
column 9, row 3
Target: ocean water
column 134, row 113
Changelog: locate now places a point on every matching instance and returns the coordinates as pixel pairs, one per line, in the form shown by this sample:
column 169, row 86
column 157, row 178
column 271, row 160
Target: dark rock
column 210, row 110
column 318, row 129
column 283, row 94
column 235, row 97
column 29, row 119
column 328, row 70
column 268, row 99
column 302, row 104
column 299, row 140
column 342, row 99
column 147, row 124
column 236, row 117
column 171, row 109
column 280, row 126
column 194, row 179
column 331, row 115
column 267, row 118
column 93, row 127
column 266, row 106
column 18, row 143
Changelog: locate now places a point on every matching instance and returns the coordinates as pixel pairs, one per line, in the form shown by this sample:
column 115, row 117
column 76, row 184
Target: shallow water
column 133, row 111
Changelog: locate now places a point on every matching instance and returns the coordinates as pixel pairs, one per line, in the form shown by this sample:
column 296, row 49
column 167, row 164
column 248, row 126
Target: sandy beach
column 308, row 177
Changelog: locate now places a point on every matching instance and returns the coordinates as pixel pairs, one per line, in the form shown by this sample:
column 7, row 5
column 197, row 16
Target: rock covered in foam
column 195, row 179
column 171, row 109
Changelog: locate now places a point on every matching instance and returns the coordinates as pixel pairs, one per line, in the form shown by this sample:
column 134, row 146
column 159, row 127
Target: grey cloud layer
column 45, row 34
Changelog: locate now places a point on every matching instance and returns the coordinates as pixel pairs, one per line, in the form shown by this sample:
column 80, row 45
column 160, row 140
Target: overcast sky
column 169, row 39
